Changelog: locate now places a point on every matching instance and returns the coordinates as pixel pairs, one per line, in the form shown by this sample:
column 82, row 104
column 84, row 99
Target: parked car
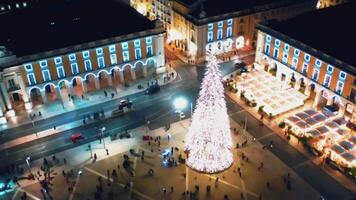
column 153, row 89
column 240, row 65
column 181, row 115
column 75, row 137
column 125, row 102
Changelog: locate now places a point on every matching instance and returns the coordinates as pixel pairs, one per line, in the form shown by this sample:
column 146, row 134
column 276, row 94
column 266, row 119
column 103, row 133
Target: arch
column 149, row 60
column 336, row 100
column 86, row 75
column 127, row 73
column 34, row 87
column 124, row 66
column 101, row 71
column 49, row 84
column 135, row 65
column 112, row 70
column 139, row 69
column 71, row 81
column 36, row 96
column 65, row 81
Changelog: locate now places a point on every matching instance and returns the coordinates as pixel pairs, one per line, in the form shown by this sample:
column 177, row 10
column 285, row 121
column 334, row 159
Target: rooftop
column 219, row 7
column 57, row 24
column 331, row 31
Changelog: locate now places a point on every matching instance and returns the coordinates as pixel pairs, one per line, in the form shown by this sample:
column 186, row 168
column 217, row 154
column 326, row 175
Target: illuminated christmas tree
column 208, row 140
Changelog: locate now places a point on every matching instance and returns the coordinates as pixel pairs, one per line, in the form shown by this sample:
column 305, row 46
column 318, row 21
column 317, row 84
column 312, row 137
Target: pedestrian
column 63, row 173
column 54, row 127
column 82, row 96
column 172, row 188
column 39, row 113
column 105, row 93
column 107, row 151
column 64, row 161
column 268, row 184
column 112, row 95
column 95, row 157
column 164, row 191
column 108, row 173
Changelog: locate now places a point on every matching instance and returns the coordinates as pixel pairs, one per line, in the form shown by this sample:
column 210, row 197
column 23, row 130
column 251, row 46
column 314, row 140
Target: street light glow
column 180, row 103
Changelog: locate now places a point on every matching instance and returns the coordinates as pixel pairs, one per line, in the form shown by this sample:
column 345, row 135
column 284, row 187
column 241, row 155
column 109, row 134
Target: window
column 85, row 54
column 28, row 67
column 74, row 67
column 294, row 62
column 210, row 36
column 267, row 46
column 46, row 75
column 327, row 80
column 125, row 45
column 148, row 40
column 137, row 53
column 275, row 53
column 72, row 57
column 268, row 38
column 307, row 57
column 43, row 63
column 31, row 79
column 210, row 26
column 113, row 59
column 87, row 65
column 112, row 48
column 60, row 72
column 57, row 60
column 229, row 32
column 277, row 43
column 317, row 63
column 101, row 62
column 305, row 68
column 330, row 69
column 296, row 52
column 339, row 87
column 315, row 74
column 229, row 22
column 99, row 51
column 137, row 43
column 342, row 75
column 219, row 36
column 286, row 47
column 220, row 24
column 126, row 56
column 285, row 57
column 149, row 51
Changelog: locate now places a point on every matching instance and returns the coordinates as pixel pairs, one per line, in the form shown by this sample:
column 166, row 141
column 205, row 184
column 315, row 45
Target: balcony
column 13, row 88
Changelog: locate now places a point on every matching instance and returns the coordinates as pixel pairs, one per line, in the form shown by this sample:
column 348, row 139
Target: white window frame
column 210, row 26
column 220, row 24
column 316, row 63
column 307, row 57
column 296, row 52
column 341, row 88
column 329, row 67
column 219, row 35
column 286, row 47
column 316, row 71
column 126, row 56
column 87, row 64
column 138, row 50
column 76, row 66
column 60, row 68
column 43, row 64
column 274, row 50
column 137, row 43
column 277, row 43
column 295, row 62
column 29, row 79
column 210, row 36
column 28, row 65
column 229, row 22
column 268, row 38
column 72, row 57
column 229, row 31
column 149, row 50
column 340, row 77
column 327, row 75
column 305, row 66
column 124, row 45
column 44, row 77
column 112, row 48
column 86, row 54
column 285, row 58
column 99, row 51
column 113, row 59
column 58, row 60
column 267, row 48
column 101, row 62
column 148, row 40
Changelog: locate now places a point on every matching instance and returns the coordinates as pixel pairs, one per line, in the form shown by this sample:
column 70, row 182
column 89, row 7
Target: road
column 159, row 110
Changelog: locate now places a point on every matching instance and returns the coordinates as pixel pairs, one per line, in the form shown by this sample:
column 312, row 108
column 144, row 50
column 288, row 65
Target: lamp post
column 102, row 135
column 28, row 159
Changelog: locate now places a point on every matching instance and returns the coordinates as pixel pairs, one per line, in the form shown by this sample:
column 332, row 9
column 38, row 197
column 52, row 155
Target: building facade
column 326, row 79
column 328, row 3
column 162, row 10
column 143, row 6
column 62, row 73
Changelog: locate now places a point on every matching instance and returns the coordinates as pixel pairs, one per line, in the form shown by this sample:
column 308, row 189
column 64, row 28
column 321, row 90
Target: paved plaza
column 81, row 180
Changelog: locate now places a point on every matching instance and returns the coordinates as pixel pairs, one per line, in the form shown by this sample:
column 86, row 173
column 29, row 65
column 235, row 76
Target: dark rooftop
column 328, row 30
column 219, row 7
column 57, row 24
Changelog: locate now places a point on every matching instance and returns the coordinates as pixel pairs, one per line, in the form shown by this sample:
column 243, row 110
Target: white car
column 181, row 115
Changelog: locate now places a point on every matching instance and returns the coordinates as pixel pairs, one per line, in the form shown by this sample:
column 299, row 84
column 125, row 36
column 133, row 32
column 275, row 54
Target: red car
column 76, row 137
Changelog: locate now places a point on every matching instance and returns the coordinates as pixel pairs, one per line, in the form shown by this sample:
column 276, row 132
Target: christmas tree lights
column 208, row 141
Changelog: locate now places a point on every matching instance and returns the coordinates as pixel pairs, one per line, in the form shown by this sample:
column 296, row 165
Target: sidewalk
column 90, row 98
column 52, row 111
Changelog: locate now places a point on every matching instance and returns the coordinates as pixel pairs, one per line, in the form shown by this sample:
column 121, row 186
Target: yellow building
column 328, row 3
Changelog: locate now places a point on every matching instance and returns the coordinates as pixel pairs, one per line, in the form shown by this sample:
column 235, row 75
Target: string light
column 208, row 140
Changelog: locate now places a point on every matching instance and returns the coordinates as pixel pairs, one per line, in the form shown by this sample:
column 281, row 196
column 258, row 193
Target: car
column 153, row 89
column 75, row 137
column 181, row 115
column 125, row 102
column 240, row 64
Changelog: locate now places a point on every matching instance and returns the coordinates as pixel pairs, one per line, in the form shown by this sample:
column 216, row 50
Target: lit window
column 315, row 74
column 99, row 51
column 277, row 43
column 60, row 72
column 210, row 26
column 267, row 46
column 87, row 65
column 112, row 48
column 342, row 75
column 149, row 51
column 330, row 69
column 327, row 80
column 294, row 62
column 296, row 52
column 125, row 45
column 24, row 4
column 339, row 87
column 137, row 53
column 126, row 56
column 137, row 43
column 43, row 63
column 228, row 32
column 318, row 63
column 148, row 40
column 72, row 57
column 74, row 67
column 113, row 59
column 219, row 36
column 101, row 62
column 210, row 36
column 286, row 47
column 229, row 22
column 46, row 75
column 85, row 54
column 28, row 67
column 307, row 57
column 58, row 60
column 31, row 79
column 305, row 68
column 17, row 5
column 275, row 52
column 285, row 57
column 268, row 38
column 220, row 24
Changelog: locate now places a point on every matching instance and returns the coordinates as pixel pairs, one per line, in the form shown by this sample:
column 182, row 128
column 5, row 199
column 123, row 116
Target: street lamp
column 180, row 103
column 102, row 135
column 28, row 159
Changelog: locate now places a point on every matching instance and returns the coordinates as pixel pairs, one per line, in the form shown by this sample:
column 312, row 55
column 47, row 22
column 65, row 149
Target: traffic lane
column 232, row 106
column 322, row 182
